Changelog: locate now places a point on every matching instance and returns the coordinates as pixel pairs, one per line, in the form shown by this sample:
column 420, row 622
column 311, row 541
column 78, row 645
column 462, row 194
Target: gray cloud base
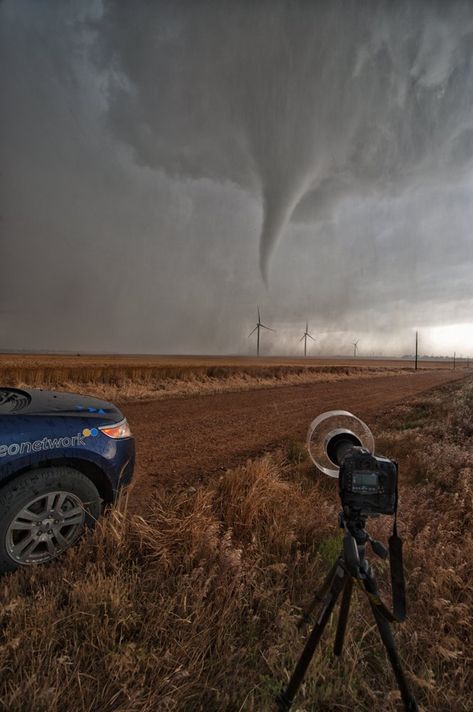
column 309, row 102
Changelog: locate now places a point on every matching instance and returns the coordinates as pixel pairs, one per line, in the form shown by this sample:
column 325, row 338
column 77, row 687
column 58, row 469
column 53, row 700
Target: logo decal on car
column 100, row 411
column 29, row 446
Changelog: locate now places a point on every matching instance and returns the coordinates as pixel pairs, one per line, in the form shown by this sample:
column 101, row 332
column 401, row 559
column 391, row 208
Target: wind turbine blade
column 252, row 332
column 307, row 326
column 311, row 337
column 301, row 338
column 267, row 327
column 259, row 317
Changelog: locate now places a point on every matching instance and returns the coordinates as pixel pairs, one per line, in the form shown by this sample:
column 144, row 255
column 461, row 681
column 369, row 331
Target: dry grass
column 123, row 389
column 193, row 605
column 123, row 379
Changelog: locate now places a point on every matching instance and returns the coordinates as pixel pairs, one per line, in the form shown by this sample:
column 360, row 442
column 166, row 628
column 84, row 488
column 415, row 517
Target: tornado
column 302, row 104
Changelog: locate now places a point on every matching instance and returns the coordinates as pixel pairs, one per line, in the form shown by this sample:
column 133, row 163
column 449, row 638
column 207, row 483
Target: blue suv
column 62, row 456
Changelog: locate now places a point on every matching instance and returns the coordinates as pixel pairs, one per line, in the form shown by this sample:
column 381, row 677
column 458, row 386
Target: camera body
column 368, row 483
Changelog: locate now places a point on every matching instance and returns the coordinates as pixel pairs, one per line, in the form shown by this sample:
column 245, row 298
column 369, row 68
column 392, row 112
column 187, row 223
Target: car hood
column 15, row 401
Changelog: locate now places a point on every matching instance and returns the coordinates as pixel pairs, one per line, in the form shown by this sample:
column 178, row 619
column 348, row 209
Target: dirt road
column 181, row 440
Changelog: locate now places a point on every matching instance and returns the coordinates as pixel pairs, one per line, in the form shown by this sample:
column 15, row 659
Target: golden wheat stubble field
column 143, row 377
column 176, row 363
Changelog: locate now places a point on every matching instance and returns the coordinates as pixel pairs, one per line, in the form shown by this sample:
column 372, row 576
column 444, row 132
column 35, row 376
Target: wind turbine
column 259, row 325
column 304, row 336
column 355, row 348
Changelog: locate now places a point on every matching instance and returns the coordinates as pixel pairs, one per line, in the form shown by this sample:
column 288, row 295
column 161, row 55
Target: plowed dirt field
column 182, row 440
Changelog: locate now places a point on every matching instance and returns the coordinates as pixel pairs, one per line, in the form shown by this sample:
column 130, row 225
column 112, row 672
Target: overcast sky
column 167, row 166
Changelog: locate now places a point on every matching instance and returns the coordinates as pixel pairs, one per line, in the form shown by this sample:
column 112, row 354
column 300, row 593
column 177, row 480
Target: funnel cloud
column 305, row 102
column 159, row 157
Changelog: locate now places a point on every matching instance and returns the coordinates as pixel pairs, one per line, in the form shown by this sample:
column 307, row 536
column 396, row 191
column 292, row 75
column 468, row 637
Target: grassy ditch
column 193, row 605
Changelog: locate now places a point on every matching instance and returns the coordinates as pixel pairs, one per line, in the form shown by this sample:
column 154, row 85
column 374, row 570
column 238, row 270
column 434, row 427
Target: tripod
column 350, row 566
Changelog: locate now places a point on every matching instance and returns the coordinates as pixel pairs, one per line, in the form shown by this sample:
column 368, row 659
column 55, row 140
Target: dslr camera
column 367, row 482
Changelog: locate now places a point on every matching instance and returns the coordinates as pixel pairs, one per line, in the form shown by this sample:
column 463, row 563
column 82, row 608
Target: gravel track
column 180, row 441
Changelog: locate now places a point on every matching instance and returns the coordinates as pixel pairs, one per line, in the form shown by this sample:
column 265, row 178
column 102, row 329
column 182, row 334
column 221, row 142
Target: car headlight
column 117, row 431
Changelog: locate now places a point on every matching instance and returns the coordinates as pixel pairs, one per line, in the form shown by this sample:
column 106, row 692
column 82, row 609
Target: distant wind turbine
column 355, row 348
column 259, row 325
column 305, row 336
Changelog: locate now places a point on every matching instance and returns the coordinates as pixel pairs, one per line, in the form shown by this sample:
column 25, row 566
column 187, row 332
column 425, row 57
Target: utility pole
column 417, row 349
column 454, row 359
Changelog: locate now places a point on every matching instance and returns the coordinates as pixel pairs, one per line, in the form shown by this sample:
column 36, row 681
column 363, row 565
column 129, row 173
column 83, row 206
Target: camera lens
column 339, row 445
column 331, row 435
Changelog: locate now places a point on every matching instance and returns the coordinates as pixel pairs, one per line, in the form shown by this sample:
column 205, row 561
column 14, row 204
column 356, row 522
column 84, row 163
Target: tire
column 42, row 513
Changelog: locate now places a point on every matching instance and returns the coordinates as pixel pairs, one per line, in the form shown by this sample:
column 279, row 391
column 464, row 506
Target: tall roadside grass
column 131, row 382
column 193, row 604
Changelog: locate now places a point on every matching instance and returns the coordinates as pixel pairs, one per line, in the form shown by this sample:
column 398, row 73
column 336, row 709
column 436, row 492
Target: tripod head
column 355, row 540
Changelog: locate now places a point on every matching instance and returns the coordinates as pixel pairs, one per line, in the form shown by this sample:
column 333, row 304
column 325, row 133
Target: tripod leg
column 286, row 697
column 387, row 637
column 343, row 617
column 318, row 596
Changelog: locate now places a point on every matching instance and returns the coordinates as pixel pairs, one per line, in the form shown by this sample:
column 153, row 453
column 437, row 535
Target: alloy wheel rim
column 45, row 527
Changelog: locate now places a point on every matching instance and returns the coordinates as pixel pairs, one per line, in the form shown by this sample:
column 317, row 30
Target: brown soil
column 181, row 441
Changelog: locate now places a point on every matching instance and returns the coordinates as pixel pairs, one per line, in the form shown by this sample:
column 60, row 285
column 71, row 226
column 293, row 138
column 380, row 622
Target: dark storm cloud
column 306, row 101
column 151, row 150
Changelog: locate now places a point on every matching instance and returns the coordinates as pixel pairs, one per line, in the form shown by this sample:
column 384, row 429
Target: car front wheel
column 42, row 513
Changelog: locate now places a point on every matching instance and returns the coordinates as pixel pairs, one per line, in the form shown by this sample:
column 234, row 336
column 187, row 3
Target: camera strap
column 398, row 588
column 398, row 614
column 396, row 565
column 397, row 575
